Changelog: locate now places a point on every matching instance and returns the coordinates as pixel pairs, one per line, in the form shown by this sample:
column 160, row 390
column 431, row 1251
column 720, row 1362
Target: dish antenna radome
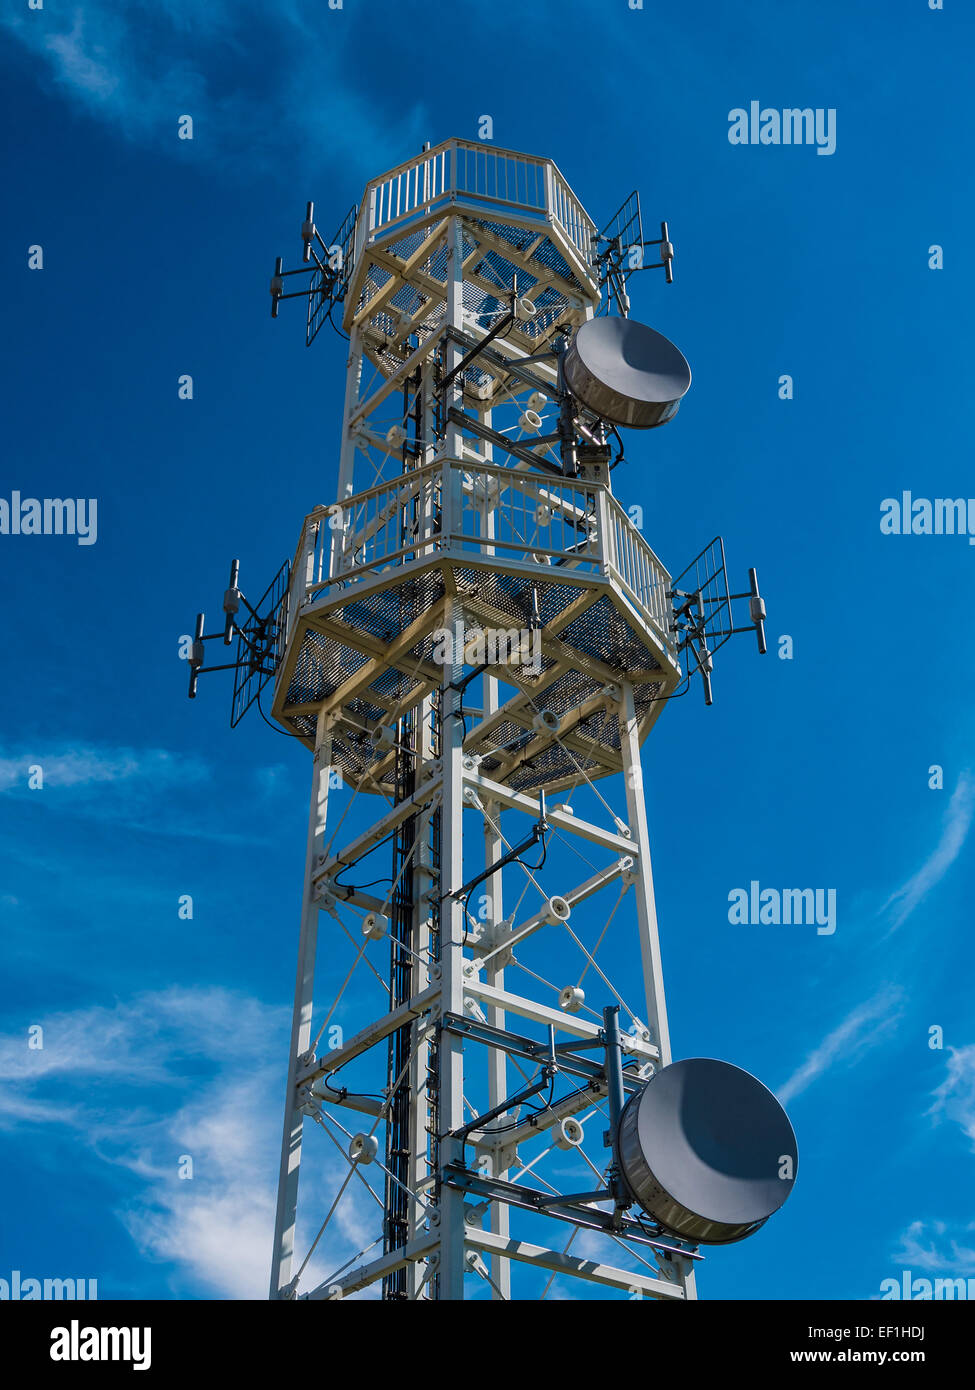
column 626, row 372
column 707, row 1151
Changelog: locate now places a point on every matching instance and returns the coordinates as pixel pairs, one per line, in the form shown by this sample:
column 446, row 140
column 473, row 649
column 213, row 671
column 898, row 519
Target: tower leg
column 453, row 925
column 284, row 1223
column 452, row 928
column 646, row 909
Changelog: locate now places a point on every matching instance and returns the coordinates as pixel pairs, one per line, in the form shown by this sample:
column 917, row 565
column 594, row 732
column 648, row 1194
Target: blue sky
column 164, row 1036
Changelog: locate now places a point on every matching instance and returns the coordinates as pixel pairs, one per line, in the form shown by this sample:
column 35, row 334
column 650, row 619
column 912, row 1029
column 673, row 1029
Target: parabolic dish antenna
column 707, row 1151
column 626, row 372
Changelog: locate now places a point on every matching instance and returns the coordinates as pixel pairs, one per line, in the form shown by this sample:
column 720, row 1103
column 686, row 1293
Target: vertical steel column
column 401, row 988
column 452, row 927
column 426, row 879
column 287, row 1203
column 646, row 907
column 498, row 1215
column 346, row 488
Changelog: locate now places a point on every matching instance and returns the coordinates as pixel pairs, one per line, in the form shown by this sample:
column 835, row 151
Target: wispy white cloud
column 255, row 77
column 218, row 1223
column 146, row 1040
column 146, row 789
column 869, row 1023
column 80, row 66
column 83, row 767
column 957, row 822
column 955, row 1097
column 171, row 1073
column 933, row 1246
column 863, row 1028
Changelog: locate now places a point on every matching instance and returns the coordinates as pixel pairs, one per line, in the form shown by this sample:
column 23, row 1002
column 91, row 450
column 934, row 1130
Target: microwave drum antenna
column 707, row 1151
column 626, row 373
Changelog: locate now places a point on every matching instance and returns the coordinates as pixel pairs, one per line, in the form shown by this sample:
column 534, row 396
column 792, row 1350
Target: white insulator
column 395, row 436
column 525, row 307
column 530, row 421
column 543, row 514
column 545, row 722
column 364, row 1148
column 536, row 401
column 383, row 737
column 568, row 1134
column 572, row 999
column 375, row 926
column 557, row 910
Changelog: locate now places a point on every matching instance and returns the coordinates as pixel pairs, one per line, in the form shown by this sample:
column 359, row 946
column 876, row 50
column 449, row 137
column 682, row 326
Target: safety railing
column 479, row 174
column 500, row 176
column 416, row 185
column 526, row 517
column 572, row 216
column 633, row 562
column 486, row 510
column 389, row 524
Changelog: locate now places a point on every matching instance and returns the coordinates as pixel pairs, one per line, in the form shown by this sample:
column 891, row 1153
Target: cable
column 276, row 727
column 514, row 1124
column 619, row 457
column 329, row 317
column 356, row 886
column 516, row 859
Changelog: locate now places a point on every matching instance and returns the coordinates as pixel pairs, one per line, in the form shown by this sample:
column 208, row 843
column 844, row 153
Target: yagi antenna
column 258, row 640
column 328, row 264
column 702, row 611
column 621, row 249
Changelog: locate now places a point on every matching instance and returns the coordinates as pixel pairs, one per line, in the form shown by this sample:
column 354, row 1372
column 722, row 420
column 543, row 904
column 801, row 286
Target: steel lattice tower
column 473, row 628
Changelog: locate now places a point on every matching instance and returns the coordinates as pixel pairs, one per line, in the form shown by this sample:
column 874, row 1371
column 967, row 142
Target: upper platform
column 520, row 217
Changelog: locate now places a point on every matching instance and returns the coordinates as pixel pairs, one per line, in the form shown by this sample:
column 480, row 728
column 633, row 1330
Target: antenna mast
column 473, row 630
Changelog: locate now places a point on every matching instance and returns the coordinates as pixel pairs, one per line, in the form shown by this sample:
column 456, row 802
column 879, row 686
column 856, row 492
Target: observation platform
column 362, row 643
column 520, row 217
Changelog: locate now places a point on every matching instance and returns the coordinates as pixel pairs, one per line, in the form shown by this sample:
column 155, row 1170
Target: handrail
column 481, row 173
column 540, row 517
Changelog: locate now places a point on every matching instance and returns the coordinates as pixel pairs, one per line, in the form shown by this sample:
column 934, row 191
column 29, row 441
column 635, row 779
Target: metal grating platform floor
column 368, row 658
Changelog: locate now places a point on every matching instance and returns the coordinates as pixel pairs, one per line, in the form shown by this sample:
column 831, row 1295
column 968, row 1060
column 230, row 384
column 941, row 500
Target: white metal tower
column 474, row 628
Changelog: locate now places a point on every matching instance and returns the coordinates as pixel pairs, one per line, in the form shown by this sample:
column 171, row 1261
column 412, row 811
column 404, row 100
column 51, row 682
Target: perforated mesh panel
column 545, row 253
column 381, row 615
column 387, row 613
column 321, row 667
column 405, row 247
column 552, row 764
column 550, row 256
column 601, row 632
column 394, row 684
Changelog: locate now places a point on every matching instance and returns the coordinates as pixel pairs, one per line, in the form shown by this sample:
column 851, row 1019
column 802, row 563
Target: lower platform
column 370, row 654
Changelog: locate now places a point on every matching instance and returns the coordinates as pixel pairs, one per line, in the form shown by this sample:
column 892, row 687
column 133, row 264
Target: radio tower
column 473, row 640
